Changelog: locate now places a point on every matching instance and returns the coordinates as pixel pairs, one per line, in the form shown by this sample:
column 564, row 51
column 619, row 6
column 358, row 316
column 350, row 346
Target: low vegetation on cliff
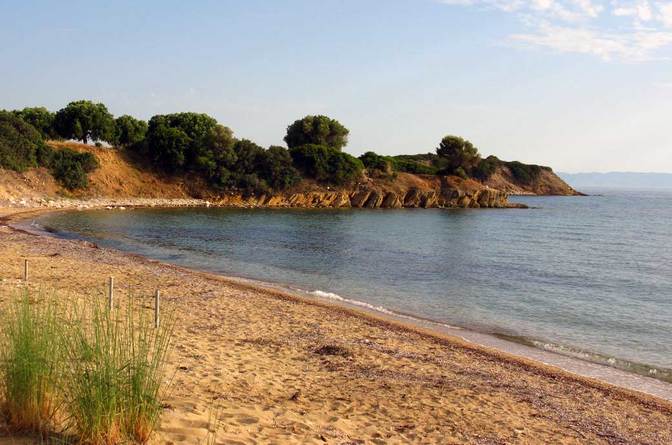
column 195, row 145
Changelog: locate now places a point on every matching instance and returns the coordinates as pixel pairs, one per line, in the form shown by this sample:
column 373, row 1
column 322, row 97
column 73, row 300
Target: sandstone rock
column 412, row 198
column 358, row 199
column 391, row 201
column 374, row 200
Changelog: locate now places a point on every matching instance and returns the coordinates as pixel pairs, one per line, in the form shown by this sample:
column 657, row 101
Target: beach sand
column 274, row 368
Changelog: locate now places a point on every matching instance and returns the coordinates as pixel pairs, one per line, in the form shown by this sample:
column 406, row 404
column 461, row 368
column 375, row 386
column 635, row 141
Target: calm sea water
column 585, row 276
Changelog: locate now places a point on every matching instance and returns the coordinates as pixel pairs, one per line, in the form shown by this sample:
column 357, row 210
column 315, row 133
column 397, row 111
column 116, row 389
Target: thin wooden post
column 157, row 309
column 110, row 294
column 25, row 269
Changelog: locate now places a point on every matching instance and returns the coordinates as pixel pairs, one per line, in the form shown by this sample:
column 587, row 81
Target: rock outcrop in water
column 448, row 193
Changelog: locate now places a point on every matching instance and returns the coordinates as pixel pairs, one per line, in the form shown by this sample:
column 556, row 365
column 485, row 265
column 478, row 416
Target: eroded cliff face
column 444, row 192
column 547, row 183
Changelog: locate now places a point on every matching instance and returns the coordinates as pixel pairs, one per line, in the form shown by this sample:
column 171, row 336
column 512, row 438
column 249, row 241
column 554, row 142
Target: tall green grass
column 114, row 385
column 30, row 364
column 104, row 369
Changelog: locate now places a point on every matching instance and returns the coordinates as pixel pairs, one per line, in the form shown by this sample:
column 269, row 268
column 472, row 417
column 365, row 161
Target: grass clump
column 30, row 365
column 113, row 387
column 92, row 374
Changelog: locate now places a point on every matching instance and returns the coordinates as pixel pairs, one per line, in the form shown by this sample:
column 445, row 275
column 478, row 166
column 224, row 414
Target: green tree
column 180, row 142
column 277, row 168
column 84, row 120
column 249, row 156
column 129, row 130
column 217, row 156
column 317, row 130
column 21, row 145
column 326, row 164
column 167, row 146
column 40, row 118
column 456, row 153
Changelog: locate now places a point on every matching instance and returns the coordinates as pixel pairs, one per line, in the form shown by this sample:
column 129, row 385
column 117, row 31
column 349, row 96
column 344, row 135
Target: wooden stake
column 157, row 299
column 110, row 294
column 25, row 270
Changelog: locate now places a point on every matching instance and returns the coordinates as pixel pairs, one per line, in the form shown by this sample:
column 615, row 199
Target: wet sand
column 280, row 369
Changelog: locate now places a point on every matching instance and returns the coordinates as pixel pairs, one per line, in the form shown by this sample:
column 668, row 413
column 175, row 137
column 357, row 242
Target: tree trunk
column 84, row 139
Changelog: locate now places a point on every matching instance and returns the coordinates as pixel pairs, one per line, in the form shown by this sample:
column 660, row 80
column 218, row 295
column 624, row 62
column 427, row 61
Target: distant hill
column 618, row 180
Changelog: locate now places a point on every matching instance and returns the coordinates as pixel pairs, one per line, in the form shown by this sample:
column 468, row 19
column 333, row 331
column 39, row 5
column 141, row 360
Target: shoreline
column 490, row 354
column 575, row 366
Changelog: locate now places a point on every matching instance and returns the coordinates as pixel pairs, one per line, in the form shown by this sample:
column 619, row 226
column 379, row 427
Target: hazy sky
column 580, row 85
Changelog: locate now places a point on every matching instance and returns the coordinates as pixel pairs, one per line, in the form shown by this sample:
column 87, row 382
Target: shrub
column 525, row 173
column 317, row 130
column 326, row 164
column 71, row 168
column 409, row 166
column 29, row 365
column 486, row 167
column 20, row 143
column 377, row 164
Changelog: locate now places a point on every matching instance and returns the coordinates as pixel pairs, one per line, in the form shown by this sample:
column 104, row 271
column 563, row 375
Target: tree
column 180, row 142
column 21, row 145
column 129, row 130
column 40, row 118
column 456, row 153
column 277, row 168
column 249, row 156
column 326, row 164
column 84, row 120
column 317, row 130
column 167, row 146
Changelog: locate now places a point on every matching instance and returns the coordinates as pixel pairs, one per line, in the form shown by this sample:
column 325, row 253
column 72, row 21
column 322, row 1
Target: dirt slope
column 548, row 183
column 117, row 177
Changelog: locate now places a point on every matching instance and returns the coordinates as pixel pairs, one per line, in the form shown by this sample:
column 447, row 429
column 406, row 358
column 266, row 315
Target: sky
column 579, row 85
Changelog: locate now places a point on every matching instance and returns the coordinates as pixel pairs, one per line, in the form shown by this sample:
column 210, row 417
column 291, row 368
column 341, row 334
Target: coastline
column 495, row 351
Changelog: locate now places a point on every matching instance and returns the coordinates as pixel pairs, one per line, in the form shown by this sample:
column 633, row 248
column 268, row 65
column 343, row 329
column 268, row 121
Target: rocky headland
column 120, row 182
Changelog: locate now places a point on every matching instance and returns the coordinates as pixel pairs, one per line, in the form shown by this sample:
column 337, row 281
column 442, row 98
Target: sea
column 583, row 276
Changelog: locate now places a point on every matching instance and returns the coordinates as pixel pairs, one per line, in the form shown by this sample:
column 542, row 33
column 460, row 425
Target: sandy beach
column 276, row 368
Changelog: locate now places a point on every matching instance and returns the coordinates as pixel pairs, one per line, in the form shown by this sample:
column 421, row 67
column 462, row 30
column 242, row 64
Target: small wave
column 35, row 227
column 657, row 373
column 333, row 296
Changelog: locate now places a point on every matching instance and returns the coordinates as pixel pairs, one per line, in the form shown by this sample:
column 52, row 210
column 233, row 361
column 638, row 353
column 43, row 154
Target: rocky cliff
column 118, row 177
column 409, row 191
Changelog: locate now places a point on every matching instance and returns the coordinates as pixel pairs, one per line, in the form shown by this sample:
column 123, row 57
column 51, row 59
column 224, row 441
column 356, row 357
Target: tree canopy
column 83, row 120
column 129, row 130
column 180, row 142
column 326, row 164
column 457, row 156
column 317, row 130
column 40, row 118
column 20, row 143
